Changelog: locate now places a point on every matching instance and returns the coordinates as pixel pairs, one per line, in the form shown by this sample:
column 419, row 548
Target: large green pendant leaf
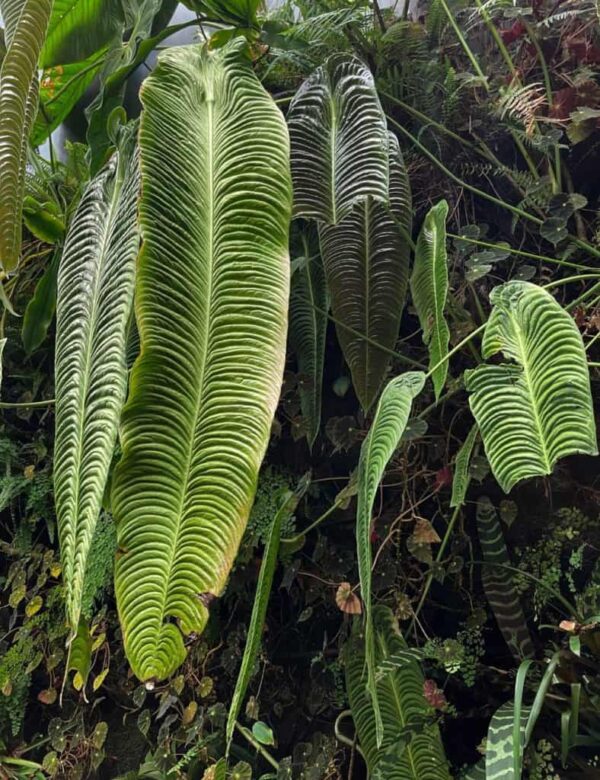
column 429, row 288
column 95, row 291
column 366, row 259
column 79, row 28
column 25, row 28
column 411, row 747
column 339, row 141
column 211, row 306
column 388, row 426
column 539, row 408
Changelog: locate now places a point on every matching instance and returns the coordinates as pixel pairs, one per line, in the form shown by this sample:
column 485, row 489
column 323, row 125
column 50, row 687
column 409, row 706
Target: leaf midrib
column 530, row 389
column 203, row 351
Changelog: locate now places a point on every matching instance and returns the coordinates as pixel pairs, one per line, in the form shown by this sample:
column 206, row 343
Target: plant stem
column 465, row 46
column 569, row 279
column 28, row 404
column 403, row 358
column 313, row 525
column 455, row 349
column 482, row 194
column 438, row 558
column 556, row 179
column 255, row 744
column 520, row 252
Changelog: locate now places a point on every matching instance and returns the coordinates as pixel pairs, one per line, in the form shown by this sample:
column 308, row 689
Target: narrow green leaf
column 366, row 257
column 498, row 583
column 429, row 288
column 259, row 611
column 462, row 477
column 389, row 422
column 308, row 328
column 40, row 309
column 95, row 292
column 26, row 22
column 537, row 409
column 214, row 211
column 339, row 141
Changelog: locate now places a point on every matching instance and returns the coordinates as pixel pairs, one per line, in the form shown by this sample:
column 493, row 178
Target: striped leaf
column 339, row 141
column 259, row 610
column 309, row 305
column 94, row 295
column 366, row 259
column 211, row 306
column 384, row 436
column 25, row 28
column 411, row 747
column 461, row 479
column 396, row 661
column 429, row 289
column 499, row 750
column 498, row 584
column 537, row 409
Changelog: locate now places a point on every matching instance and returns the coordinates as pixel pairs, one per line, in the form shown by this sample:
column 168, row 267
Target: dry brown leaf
column 346, row 600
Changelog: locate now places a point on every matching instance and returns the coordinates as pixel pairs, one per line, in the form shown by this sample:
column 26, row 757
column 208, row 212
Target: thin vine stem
column 520, row 252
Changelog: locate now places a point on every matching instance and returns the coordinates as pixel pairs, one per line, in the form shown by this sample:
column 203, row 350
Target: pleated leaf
column 339, row 141
column 25, row 28
column 366, row 259
column 211, row 306
column 498, row 584
column 429, row 289
column 411, row 747
column 383, row 438
column 309, row 304
column 79, row 28
column 95, row 291
column 537, row 409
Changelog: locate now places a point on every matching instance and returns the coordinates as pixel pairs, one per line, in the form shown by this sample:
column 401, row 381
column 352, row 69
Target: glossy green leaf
column 429, row 288
column 339, row 141
column 80, row 28
column 41, row 307
column 411, row 747
column 241, row 13
column 43, row 219
column 121, row 61
column 214, row 211
column 462, row 477
column 498, row 583
column 61, row 87
column 384, row 436
column 25, row 28
column 366, row 257
column 309, row 304
column 95, row 291
column 538, row 408
column 259, row 611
